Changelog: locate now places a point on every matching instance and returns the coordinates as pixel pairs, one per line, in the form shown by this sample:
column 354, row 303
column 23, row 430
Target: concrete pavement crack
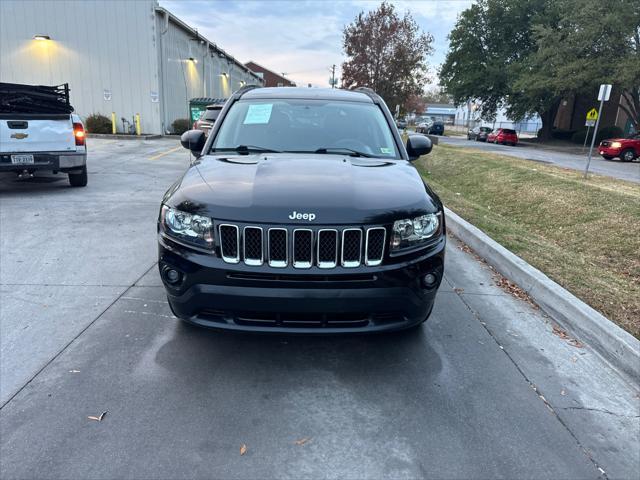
column 475, row 314
column 68, row 344
column 599, row 410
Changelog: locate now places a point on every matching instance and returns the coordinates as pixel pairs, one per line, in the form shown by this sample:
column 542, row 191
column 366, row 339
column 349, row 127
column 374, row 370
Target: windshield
column 309, row 126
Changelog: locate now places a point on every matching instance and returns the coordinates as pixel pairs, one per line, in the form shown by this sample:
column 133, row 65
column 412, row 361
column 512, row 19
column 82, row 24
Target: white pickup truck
column 39, row 131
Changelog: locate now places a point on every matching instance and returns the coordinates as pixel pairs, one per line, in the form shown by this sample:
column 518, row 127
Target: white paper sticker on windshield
column 386, row 150
column 257, row 114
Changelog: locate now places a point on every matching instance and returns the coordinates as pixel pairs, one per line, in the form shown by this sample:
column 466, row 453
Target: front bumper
column 215, row 294
column 63, row 162
column 609, row 151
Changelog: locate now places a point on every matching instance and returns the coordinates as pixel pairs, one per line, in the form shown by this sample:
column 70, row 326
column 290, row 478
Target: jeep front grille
column 278, row 247
column 302, row 248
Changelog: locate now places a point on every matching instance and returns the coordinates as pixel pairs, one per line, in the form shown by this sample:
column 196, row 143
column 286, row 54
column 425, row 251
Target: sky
column 303, row 38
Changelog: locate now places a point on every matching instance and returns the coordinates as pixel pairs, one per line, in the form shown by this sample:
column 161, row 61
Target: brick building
column 270, row 78
column 572, row 112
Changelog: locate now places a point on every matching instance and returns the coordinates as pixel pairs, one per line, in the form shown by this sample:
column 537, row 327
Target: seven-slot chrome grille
column 302, row 247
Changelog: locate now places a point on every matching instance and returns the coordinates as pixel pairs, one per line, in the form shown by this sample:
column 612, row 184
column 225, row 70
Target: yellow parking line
column 155, row 157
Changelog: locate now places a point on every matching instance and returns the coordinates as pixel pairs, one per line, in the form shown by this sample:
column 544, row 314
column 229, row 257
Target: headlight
column 616, row 144
column 412, row 232
column 186, row 227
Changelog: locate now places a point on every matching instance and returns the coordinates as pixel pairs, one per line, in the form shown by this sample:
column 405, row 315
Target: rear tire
column 627, row 155
column 79, row 179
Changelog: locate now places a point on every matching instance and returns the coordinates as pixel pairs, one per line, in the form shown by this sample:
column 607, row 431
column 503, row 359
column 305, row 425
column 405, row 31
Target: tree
column 527, row 55
column 436, row 95
column 487, row 61
column 414, row 104
column 387, row 53
column 594, row 42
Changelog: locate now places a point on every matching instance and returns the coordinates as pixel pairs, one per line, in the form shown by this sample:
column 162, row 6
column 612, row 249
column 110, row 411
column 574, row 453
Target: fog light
column 172, row 276
column 429, row 280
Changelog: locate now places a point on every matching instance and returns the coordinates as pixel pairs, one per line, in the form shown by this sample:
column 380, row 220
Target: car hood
column 269, row 188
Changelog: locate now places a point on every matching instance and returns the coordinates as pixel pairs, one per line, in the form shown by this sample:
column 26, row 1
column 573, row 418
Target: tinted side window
column 211, row 115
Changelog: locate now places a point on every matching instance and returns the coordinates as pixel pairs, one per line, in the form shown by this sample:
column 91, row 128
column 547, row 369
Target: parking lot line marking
column 155, row 157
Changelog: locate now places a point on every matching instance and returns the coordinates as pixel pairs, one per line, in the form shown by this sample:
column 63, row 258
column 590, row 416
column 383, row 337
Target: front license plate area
column 22, row 159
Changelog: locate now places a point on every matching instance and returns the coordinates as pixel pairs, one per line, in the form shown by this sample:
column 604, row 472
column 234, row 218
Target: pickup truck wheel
column 79, row 179
column 627, row 155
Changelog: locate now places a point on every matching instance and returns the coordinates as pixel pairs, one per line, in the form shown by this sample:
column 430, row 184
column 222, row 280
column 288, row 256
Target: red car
column 504, row 136
column 626, row 149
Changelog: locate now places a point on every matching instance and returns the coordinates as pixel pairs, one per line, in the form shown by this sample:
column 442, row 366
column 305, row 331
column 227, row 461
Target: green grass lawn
column 585, row 235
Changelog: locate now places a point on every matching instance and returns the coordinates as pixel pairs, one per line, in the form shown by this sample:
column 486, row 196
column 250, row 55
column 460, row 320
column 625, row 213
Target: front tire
column 79, row 179
column 628, row 155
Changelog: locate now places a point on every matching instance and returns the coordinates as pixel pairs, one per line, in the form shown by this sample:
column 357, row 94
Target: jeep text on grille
column 361, row 251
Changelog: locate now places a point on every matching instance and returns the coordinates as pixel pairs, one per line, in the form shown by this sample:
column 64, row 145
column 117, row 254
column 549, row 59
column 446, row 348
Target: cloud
column 301, row 38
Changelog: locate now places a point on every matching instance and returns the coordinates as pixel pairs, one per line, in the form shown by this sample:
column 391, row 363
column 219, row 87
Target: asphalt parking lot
column 629, row 171
column 483, row 390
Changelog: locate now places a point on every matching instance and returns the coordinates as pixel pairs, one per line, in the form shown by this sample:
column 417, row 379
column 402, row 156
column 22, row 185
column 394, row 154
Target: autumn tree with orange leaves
column 387, row 53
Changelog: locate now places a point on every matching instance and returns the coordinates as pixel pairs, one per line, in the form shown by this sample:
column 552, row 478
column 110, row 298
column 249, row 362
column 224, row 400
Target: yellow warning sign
column 592, row 114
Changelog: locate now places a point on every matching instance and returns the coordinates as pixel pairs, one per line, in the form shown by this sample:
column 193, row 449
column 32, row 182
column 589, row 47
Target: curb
column 615, row 345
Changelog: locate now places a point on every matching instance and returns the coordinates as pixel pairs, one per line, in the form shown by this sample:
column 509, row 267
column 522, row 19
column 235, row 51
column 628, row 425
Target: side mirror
column 418, row 145
column 193, row 140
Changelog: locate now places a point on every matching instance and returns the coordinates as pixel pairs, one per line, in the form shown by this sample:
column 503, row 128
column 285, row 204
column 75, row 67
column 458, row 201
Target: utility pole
column 333, row 76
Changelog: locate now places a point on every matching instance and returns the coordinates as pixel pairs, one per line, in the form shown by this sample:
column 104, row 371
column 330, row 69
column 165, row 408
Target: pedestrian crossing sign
column 592, row 114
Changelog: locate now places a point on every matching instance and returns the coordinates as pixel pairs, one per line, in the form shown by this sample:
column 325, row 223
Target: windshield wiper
column 352, row 152
column 245, row 149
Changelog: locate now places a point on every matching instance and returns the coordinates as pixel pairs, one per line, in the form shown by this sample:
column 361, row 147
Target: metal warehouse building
column 125, row 57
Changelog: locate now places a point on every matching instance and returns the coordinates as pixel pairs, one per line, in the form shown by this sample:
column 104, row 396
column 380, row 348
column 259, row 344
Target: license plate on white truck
column 22, row 159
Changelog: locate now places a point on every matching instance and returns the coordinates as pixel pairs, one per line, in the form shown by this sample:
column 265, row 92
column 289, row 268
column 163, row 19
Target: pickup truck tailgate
column 52, row 133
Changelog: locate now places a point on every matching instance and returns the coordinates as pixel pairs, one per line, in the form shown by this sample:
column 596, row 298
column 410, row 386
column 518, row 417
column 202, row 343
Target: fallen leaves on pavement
column 565, row 336
column 512, row 289
column 243, row 449
column 98, row 418
column 302, row 441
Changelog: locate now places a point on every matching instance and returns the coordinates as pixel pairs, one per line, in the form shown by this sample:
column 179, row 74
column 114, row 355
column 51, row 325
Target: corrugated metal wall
column 98, row 47
column 183, row 79
column 114, row 57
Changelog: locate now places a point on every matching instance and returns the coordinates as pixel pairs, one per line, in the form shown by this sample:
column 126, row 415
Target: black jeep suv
column 302, row 213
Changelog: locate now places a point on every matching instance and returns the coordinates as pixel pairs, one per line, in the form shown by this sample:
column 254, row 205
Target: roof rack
column 367, row 91
column 242, row 90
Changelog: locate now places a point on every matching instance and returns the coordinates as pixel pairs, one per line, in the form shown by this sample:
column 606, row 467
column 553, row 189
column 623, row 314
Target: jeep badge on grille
column 302, row 216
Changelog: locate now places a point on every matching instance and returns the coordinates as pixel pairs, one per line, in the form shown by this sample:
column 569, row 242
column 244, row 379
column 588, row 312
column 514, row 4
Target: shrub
column 609, row 132
column 181, row 125
column 603, row 133
column 560, row 134
column 96, row 123
column 578, row 137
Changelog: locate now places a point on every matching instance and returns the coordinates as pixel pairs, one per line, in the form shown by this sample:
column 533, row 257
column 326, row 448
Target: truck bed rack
column 39, row 99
